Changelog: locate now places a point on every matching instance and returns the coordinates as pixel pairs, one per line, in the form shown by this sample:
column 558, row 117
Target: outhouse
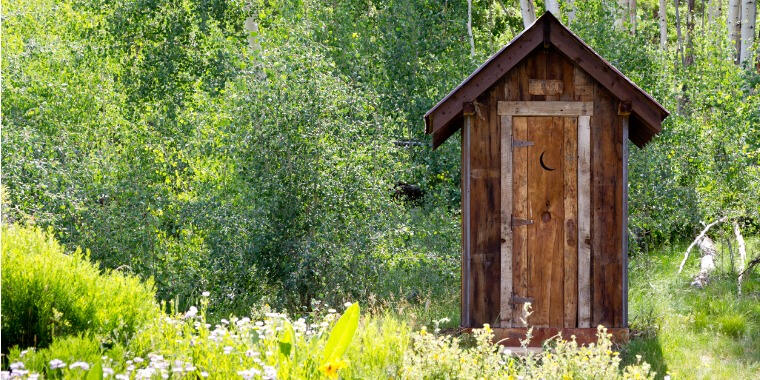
column 545, row 124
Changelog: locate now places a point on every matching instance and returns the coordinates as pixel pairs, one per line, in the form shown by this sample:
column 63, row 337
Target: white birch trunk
column 707, row 264
column 663, row 25
column 742, row 254
column 749, row 9
column 734, row 24
column 570, row 11
column 469, row 28
column 622, row 11
column 553, row 7
column 528, row 12
column 714, row 10
column 632, row 15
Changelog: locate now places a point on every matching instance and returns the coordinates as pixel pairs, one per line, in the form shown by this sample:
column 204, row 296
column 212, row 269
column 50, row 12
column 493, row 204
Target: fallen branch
column 707, row 263
column 699, row 237
column 751, row 265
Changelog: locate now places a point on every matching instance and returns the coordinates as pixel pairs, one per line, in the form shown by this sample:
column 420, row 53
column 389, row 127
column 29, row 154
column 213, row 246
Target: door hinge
column 516, row 222
column 521, row 143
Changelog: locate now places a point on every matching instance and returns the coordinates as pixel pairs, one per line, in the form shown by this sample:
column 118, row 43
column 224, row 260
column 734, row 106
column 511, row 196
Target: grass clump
column 48, row 293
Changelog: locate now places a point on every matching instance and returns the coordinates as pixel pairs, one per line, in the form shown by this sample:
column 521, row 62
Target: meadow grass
column 690, row 333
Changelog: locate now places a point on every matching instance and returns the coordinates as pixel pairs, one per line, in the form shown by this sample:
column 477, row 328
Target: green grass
column 688, row 333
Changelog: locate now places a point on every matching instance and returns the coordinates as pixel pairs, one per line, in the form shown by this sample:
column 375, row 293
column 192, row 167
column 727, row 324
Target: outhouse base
column 512, row 336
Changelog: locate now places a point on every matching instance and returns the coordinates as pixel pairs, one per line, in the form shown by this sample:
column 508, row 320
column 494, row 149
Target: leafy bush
column 322, row 345
column 48, row 293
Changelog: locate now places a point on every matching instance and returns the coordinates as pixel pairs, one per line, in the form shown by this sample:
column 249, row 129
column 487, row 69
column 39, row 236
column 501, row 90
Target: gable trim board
column 647, row 114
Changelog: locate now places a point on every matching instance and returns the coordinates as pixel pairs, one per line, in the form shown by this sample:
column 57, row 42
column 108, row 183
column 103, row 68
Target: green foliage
column 48, row 293
column 379, row 346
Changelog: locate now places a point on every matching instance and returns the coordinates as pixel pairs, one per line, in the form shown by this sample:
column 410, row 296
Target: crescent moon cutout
column 543, row 165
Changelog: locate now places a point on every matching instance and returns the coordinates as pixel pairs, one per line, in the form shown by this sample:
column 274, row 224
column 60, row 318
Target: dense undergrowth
column 264, row 345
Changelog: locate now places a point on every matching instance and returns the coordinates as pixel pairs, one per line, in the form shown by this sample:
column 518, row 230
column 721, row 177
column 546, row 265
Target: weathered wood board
column 572, row 266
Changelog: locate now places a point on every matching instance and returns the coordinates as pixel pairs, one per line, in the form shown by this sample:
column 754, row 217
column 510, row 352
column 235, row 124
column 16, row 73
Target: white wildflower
column 80, row 365
column 332, row 311
column 138, row 359
column 56, row 364
column 225, row 322
column 270, row 372
column 5, row 375
column 249, row 373
column 19, row 373
column 17, row 365
column 251, row 353
column 228, row 350
column 122, row 376
column 204, row 374
column 107, row 371
column 347, row 304
column 192, row 312
column 33, row 376
column 206, row 293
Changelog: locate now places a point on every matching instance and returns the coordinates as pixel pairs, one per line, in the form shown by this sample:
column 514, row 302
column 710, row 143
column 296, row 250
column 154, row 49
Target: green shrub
column 48, row 293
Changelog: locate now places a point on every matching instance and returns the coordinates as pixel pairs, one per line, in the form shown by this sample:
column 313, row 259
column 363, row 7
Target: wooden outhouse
column 545, row 124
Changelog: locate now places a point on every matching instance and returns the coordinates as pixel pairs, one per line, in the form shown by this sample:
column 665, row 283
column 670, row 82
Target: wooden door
column 543, row 222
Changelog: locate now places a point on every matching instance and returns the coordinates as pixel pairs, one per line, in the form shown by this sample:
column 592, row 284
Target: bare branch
column 699, row 237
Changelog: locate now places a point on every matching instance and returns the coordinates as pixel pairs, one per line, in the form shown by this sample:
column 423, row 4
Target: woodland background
column 273, row 152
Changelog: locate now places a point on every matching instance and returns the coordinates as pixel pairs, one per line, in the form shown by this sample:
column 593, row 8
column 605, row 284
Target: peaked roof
column 647, row 114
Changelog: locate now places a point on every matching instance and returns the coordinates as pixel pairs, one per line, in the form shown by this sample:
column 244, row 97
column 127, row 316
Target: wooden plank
column 485, row 215
column 506, row 216
column 606, row 214
column 520, row 210
column 545, row 205
column 570, row 152
column 465, row 312
column 549, row 87
column 584, row 221
column 546, row 108
column 511, row 337
column 624, row 233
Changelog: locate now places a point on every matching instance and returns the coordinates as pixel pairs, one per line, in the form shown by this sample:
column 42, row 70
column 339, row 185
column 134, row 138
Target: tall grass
column 710, row 333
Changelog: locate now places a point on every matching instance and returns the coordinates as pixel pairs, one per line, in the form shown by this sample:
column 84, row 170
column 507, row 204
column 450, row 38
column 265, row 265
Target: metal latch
column 520, row 222
column 521, row 143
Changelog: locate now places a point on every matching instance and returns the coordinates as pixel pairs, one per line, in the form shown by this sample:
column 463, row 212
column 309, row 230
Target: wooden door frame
column 583, row 111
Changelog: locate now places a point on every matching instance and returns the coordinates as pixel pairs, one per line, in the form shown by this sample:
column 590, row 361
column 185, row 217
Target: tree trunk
column 663, row 25
column 689, row 56
column 553, row 7
column 707, row 264
column 749, row 9
column 697, row 241
column 734, row 25
column 469, row 28
column 679, row 35
column 622, row 11
column 570, row 11
column 632, row 15
column 714, row 10
column 528, row 12
column 742, row 254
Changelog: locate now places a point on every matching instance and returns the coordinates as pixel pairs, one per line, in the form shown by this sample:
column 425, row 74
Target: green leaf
column 286, row 342
column 341, row 334
column 95, row 373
